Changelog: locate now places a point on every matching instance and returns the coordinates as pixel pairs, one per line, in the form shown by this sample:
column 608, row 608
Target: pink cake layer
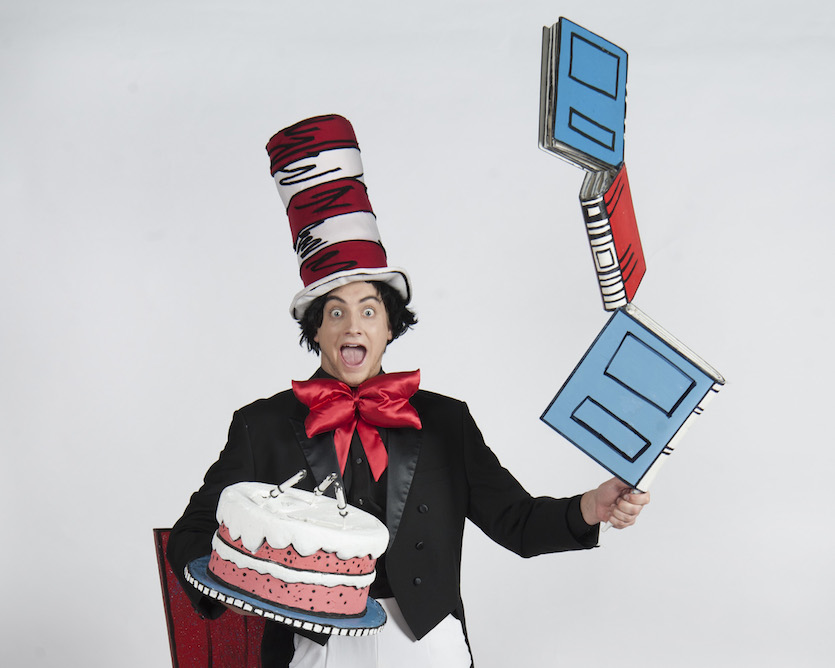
column 321, row 561
column 340, row 600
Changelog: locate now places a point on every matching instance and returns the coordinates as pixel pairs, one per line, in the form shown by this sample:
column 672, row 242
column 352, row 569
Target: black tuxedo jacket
column 438, row 476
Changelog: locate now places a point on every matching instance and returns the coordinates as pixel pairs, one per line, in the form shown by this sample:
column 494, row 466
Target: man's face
column 354, row 333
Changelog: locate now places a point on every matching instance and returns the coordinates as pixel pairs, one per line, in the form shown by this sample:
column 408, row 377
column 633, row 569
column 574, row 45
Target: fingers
column 615, row 487
column 627, row 508
column 636, row 498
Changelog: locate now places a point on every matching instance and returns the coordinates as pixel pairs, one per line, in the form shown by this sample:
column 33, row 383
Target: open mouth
column 352, row 355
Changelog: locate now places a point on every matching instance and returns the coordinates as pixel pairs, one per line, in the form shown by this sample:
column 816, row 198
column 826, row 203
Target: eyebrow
column 364, row 299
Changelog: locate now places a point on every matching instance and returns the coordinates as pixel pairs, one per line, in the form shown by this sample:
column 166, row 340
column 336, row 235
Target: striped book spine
column 614, row 240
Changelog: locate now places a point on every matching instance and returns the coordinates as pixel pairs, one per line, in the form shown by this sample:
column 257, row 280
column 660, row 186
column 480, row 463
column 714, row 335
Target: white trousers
column 393, row 647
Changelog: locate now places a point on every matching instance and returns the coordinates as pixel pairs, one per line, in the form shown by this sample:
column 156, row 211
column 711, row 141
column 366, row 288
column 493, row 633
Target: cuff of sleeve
column 585, row 534
column 209, row 609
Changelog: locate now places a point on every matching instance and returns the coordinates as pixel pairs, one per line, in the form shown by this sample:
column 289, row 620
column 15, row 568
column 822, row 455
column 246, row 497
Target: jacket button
column 417, row 581
column 423, row 508
column 419, row 545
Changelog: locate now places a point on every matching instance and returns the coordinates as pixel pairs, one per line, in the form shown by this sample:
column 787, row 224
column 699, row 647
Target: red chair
column 231, row 641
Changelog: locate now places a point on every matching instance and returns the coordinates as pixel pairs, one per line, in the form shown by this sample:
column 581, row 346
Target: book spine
column 604, row 253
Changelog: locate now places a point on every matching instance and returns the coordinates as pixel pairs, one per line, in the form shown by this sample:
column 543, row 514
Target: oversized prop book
column 632, row 396
column 613, row 235
column 582, row 109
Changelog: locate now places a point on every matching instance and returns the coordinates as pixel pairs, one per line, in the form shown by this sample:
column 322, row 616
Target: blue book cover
column 631, row 396
column 582, row 97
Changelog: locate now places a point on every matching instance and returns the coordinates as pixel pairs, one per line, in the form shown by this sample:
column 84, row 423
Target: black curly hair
column 401, row 318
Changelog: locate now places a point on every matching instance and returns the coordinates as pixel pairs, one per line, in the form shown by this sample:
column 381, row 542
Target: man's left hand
column 613, row 502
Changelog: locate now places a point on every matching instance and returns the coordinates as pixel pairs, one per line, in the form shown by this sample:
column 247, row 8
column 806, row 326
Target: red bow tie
column 381, row 401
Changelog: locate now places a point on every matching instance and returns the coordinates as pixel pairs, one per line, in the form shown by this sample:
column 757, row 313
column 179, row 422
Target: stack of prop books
column 635, row 390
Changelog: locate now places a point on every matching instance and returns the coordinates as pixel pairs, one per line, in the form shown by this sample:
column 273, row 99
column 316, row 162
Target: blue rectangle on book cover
column 630, row 395
column 590, row 107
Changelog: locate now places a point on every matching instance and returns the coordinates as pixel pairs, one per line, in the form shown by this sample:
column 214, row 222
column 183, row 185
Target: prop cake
column 299, row 550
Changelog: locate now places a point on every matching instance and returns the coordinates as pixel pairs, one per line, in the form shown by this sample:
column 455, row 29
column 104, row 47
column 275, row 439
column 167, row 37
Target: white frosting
column 293, row 575
column 302, row 519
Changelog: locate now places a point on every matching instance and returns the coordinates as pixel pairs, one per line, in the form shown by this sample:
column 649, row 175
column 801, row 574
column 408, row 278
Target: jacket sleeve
column 191, row 536
column 508, row 514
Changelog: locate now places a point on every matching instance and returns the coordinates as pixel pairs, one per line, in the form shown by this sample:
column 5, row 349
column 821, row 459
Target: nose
column 353, row 323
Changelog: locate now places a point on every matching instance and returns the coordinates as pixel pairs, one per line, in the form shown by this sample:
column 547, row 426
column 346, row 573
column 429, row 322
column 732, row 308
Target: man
column 422, row 479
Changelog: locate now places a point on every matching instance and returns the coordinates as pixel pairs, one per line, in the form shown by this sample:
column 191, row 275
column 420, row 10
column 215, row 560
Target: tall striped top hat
column 317, row 168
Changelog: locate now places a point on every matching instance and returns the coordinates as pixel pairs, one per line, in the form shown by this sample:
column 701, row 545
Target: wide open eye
column 368, row 312
column 336, row 312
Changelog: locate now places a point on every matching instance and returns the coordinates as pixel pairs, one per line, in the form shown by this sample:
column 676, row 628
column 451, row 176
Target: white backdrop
column 146, row 273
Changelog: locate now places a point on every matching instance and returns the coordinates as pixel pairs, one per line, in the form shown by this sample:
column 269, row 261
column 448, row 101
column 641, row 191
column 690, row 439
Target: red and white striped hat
column 317, row 168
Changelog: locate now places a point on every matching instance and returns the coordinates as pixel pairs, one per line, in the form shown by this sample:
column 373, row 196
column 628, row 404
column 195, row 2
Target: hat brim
column 393, row 276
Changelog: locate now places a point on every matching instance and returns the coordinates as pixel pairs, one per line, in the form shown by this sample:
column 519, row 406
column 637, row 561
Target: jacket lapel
column 319, row 453
column 403, row 450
